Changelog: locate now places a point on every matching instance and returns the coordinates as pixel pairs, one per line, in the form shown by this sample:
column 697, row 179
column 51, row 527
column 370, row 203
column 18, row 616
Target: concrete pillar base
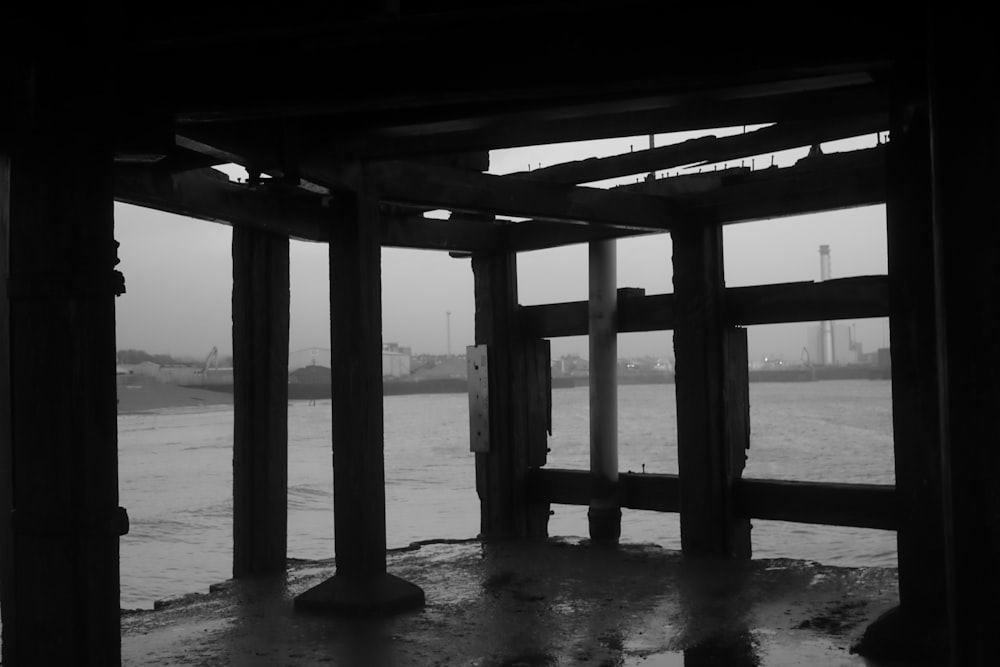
column 605, row 524
column 374, row 595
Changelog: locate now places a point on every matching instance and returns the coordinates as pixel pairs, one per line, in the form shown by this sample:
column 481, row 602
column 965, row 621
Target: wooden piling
column 58, row 440
column 260, row 398
column 361, row 584
column 711, row 377
column 964, row 137
column 916, row 417
column 519, row 404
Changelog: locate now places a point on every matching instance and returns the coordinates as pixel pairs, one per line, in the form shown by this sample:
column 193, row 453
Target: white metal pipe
column 605, row 514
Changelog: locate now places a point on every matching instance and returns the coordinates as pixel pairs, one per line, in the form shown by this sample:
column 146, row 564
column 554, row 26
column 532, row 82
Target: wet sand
column 138, row 394
column 535, row 603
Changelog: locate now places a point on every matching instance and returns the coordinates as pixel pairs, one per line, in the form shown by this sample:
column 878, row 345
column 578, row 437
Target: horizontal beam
column 839, row 299
column 209, row 195
column 709, row 149
column 814, row 184
column 825, row 503
column 636, row 490
column 472, row 192
column 490, row 129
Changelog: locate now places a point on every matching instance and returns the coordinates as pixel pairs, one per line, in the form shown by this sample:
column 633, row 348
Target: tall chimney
column 826, row 327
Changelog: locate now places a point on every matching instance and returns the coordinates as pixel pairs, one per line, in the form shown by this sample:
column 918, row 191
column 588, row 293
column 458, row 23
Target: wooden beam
column 708, row 150
column 821, row 183
column 838, row 299
column 815, row 183
column 209, row 195
column 826, row 503
column 459, row 190
column 260, row 400
column 491, row 129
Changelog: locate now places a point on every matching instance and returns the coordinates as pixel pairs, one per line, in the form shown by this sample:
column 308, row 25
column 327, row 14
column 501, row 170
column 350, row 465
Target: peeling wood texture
column 260, row 400
column 708, row 150
column 460, row 190
column 819, row 183
column 841, row 298
column 519, row 405
column 709, row 526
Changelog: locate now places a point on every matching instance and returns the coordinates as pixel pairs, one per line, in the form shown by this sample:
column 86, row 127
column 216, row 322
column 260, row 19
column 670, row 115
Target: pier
column 355, row 119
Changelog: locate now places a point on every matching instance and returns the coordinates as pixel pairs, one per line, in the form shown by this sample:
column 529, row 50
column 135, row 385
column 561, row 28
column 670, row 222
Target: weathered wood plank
column 822, row 183
column 209, row 195
column 916, row 423
column 260, row 400
column 838, row 299
column 815, row 183
column 472, row 192
column 518, row 410
column 826, row 503
column 708, row 150
column 700, row 373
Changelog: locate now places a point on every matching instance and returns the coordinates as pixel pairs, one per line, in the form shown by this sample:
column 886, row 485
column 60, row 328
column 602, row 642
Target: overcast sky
column 178, row 274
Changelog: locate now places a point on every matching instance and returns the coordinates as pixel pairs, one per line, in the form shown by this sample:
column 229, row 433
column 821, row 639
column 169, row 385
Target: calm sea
column 176, row 475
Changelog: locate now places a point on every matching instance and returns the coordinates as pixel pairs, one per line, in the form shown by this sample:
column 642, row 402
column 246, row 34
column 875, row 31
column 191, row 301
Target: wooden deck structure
column 354, row 119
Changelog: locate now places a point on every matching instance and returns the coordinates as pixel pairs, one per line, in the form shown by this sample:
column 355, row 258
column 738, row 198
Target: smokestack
column 826, row 327
column 447, row 318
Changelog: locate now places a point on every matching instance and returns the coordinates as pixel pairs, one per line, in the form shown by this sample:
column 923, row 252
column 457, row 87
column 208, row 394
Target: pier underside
column 353, row 121
column 535, row 603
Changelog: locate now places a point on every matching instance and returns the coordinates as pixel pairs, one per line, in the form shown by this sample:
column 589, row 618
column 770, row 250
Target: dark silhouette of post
column 361, row 583
column 260, row 398
column 58, row 408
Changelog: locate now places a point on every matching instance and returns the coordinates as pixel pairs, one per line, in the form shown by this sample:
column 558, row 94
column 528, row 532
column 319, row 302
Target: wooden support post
column 519, row 408
column 711, row 403
column 58, row 424
column 914, row 629
column 260, row 397
column 361, row 584
column 965, row 172
column 604, row 515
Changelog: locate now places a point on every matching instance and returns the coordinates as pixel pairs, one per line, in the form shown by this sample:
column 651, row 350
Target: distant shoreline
column 140, row 395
